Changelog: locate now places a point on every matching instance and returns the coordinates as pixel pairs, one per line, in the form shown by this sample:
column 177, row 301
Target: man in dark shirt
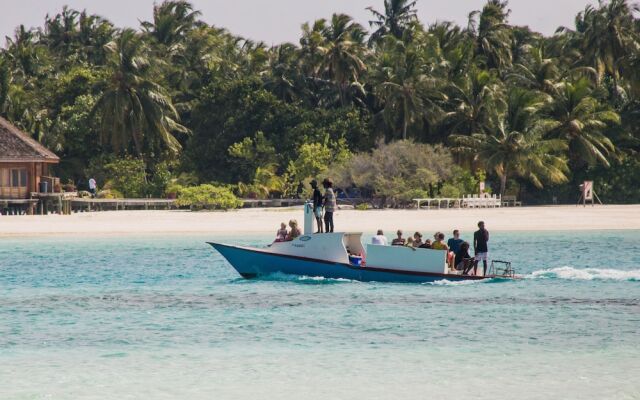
column 317, row 205
column 480, row 239
column 455, row 242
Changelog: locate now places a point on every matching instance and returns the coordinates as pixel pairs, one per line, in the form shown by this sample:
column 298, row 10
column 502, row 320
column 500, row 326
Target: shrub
column 160, row 179
column 208, row 197
column 126, row 176
column 392, row 170
column 450, row 191
column 411, row 194
column 109, row 194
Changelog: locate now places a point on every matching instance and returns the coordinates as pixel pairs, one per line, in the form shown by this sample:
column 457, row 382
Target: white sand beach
column 267, row 220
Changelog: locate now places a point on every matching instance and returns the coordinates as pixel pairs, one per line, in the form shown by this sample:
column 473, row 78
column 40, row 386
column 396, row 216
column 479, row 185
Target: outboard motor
column 308, row 217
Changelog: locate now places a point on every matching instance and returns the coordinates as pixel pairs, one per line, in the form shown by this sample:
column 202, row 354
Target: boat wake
column 586, row 274
column 305, row 279
column 446, row 282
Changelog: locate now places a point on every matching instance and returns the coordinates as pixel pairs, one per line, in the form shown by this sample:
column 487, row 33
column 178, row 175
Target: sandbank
column 266, row 221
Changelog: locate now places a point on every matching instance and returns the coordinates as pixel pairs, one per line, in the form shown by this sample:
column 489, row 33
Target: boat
column 342, row 255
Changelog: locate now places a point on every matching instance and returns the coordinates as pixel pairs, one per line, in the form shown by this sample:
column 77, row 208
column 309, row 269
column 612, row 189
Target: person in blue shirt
column 455, row 242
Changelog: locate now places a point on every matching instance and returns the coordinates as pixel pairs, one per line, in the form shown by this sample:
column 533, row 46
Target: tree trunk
column 405, row 119
column 404, row 129
column 503, row 184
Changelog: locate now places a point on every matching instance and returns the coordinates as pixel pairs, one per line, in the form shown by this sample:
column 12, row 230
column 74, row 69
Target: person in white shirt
column 92, row 187
column 379, row 239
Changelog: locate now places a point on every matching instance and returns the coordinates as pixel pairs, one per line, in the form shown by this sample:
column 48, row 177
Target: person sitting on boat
column 295, row 231
column 455, row 242
column 399, row 241
column 379, row 239
column 409, row 242
column 281, row 234
column 426, row 244
column 463, row 260
column 417, row 239
column 439, row 243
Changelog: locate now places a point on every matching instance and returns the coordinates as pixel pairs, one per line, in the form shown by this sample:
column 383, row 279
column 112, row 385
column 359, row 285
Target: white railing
column 467, row 201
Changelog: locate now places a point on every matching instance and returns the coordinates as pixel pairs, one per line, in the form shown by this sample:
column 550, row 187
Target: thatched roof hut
column 23, row 162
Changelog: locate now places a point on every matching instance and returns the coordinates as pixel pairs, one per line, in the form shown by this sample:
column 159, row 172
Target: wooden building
column 23, row 163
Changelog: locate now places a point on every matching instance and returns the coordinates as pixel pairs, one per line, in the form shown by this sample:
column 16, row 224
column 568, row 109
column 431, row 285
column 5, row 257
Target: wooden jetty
column 88, row 204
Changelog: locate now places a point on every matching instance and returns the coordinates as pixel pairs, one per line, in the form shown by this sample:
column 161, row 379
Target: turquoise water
column 166, row 318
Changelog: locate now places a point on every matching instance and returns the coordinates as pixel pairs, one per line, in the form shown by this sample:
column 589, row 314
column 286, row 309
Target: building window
column 18, row 178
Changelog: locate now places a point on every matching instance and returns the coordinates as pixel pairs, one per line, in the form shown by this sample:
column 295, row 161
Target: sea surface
column 165, row 317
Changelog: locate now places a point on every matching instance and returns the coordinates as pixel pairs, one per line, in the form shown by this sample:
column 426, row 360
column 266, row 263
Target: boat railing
column 501, row 269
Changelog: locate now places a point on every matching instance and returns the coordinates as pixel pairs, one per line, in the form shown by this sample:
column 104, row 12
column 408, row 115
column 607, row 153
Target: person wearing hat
column 317, row 205
column 330, row 204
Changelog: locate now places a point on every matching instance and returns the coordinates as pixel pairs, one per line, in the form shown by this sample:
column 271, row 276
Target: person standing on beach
column 330, row 204
column 92, row 187
column 317, row 205
column 480, row 240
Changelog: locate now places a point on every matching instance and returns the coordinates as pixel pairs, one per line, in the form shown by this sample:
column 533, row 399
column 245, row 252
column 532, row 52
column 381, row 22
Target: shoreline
column 266, row 221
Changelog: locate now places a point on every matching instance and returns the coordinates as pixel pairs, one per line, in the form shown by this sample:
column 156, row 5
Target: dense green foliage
column 207, row 197
column 182, row 101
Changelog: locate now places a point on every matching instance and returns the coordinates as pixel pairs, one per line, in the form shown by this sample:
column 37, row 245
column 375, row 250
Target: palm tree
column 253, row 57
column 404, row 89
column 284, row 77
column 171, row 21
column 455, row 50
column 61, row 31
column 5, row 83
column 94, row 32
column 580, row 119
column 24, row 52
column 609, row 35
column 538, row 72
column 492, row 34
column 544, row 73
column 78, row 35
column 516, row 145
column 398, row 15
column 343, row 53
column 471, row 99
column 312, row 47
column 133, row 107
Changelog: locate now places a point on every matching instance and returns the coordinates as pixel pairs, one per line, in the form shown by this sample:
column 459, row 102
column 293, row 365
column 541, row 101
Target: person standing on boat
column 317, row 205
column 480, row 240
column 330, row 204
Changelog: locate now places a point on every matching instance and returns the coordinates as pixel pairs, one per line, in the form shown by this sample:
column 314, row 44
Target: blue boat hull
column 252, row 263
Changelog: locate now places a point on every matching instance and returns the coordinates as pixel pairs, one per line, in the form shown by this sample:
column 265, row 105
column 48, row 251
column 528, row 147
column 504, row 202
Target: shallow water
column 167, row 318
